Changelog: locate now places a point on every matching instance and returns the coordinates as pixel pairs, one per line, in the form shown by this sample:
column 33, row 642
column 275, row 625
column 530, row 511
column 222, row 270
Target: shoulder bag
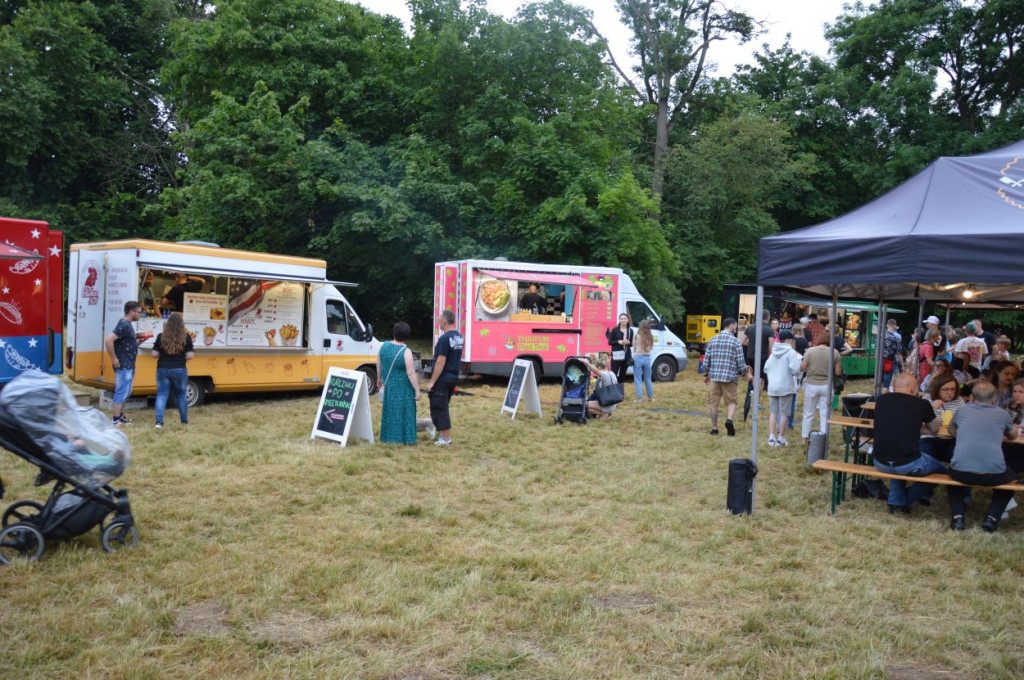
column 609, row 395
column 380, row 392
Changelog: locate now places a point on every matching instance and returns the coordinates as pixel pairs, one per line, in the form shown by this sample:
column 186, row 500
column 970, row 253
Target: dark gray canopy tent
column 951, row 234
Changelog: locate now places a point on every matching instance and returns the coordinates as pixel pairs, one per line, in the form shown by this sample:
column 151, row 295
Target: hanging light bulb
column 968, row 292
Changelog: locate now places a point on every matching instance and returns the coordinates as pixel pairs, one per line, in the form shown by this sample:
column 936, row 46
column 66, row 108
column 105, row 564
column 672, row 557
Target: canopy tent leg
column 758, row 336
column 883, row 319
column 831, row 364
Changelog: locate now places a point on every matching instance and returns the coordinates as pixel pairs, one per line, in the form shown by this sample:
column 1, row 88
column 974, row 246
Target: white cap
column 805, row 320
column 932, row 319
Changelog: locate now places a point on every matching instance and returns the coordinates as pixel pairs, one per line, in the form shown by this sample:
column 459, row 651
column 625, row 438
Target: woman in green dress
column 396, row 375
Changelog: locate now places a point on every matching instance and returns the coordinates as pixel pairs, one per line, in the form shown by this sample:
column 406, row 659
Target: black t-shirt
column 990, row 340
column 766, row 335
column 126, row 347
column 533, row 302
column 172, row 360
column 176, row 295
column 800, row 345
column 898, row 420
column 449, row 345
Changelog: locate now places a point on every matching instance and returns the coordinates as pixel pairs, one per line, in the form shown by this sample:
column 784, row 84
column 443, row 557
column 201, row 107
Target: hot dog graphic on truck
column 579, row 305
column 259, row 322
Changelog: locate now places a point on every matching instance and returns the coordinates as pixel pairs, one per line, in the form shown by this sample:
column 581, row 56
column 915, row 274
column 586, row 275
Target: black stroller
column 76, row 448
column 572, row 404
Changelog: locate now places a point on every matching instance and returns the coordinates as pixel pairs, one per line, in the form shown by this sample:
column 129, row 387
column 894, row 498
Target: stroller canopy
column 80, row 442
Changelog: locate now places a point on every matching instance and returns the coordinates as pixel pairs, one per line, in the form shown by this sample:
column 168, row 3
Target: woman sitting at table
column 944, row 395
column 938, row 368
column 1003, row 373
column 1013, row 452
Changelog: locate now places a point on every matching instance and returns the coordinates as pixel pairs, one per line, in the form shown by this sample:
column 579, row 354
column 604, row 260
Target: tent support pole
column 917, row 338
column 831, row 364
column 883, row 320
column 758, row 339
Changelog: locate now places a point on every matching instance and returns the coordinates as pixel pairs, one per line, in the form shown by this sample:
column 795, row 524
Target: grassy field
column 526, row 550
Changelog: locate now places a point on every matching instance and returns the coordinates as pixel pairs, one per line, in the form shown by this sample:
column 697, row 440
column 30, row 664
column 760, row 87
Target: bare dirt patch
column 202, row 618
column 289, row 628
column 908, row 673
column 641, row 602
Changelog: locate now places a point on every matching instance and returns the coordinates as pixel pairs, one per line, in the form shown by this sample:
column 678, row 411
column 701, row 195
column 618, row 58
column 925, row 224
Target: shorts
column 123, row 379
column 439, row 398
column 722, row 389
column 783, row 404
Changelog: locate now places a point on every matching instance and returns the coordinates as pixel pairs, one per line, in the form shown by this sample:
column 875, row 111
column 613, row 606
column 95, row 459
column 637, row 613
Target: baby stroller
column 572, row 404
column 79, row 450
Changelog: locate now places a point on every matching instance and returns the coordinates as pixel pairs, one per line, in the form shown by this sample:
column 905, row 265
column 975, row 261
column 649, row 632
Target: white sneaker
column 443, row 442
column 772, row 443
column 1009, row 506
column 781, row 441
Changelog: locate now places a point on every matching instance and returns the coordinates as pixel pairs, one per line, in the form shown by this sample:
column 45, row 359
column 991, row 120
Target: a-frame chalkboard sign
column 522, row 388
column 344, row 409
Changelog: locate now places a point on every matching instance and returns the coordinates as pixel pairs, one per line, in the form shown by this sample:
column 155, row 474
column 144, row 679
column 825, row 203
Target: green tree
column 723, row 186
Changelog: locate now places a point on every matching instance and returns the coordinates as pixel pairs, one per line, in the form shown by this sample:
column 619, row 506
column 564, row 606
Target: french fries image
column 209, row 334
column 289, row 335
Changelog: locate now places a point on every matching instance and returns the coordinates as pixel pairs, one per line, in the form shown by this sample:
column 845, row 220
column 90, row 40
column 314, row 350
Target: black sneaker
column 730, row 428
column 125, row 420
column 991, row 524
column 957, row 523
column 714, row 431
column 899, row 510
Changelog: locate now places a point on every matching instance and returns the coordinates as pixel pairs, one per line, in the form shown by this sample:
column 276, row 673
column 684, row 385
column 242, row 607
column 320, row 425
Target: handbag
column 838, row 383
column 619, row 355
column 380, row 392
column 609, row 395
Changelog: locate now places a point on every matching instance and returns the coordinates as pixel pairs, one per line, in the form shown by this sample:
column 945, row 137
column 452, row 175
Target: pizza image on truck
column 259, row 322
column 501, row 318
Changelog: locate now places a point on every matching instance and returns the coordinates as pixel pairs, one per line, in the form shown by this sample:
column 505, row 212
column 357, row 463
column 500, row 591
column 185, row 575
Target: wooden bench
column 840, row 471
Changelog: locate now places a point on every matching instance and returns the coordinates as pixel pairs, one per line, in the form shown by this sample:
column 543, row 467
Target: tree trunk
column 660, row 145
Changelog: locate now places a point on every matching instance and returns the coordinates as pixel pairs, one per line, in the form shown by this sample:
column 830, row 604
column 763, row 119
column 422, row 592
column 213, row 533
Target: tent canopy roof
column 953, row 226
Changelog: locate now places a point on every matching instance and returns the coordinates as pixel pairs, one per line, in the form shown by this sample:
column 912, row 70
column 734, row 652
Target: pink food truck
column 565, row 314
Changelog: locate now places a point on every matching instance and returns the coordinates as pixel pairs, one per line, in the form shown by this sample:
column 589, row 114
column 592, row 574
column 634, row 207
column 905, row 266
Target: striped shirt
column 723, row 358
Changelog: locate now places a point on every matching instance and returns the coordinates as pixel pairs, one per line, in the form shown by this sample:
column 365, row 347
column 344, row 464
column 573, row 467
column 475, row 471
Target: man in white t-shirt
column 973, row 347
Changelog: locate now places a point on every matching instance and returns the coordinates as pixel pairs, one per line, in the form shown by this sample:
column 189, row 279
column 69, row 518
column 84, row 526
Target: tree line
column 317, row 127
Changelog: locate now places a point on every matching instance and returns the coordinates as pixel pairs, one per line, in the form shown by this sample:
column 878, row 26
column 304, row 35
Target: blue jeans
column 898, row 493
column 168, row 379
column 642, row 374
column 123, row 378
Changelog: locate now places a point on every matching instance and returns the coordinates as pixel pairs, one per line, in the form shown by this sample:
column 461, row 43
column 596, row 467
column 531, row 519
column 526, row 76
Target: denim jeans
column 642, row 375
column 898, row 493
column 168, row 379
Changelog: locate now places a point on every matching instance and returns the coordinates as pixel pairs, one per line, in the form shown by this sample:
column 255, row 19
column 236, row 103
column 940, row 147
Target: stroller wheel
column 22, row 511
column 20, row 540
column 118, row 536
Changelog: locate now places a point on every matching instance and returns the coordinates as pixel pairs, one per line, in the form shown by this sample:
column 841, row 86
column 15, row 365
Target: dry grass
column 527, row 550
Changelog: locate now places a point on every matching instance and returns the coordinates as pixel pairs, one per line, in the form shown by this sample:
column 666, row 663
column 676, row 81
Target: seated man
column 900, row 419
column 979, row 428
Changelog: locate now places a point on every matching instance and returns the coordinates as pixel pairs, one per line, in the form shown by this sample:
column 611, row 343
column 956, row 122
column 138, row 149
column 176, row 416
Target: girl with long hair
column 621, row 340
column 643, row 344
column 172, row 349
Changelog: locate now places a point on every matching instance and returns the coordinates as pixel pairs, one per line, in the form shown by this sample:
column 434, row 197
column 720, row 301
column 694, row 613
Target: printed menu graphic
column 264, row 313
column 205, row 318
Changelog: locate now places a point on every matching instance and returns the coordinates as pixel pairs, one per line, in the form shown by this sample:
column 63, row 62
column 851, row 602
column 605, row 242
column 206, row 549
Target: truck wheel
column 664, row 369
column 195, row 392
column 371, row 377
column 538, row 371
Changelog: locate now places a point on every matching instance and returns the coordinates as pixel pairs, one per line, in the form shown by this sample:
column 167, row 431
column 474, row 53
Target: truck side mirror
column 368, row 336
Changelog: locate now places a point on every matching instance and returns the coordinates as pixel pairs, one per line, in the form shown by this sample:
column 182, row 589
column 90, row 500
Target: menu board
column 264, row 313
column 598, row 312
column 205, row 317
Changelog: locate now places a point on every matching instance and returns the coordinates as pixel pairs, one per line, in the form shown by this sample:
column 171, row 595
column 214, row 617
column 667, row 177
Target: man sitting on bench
column 979, row 428
column 901, row 417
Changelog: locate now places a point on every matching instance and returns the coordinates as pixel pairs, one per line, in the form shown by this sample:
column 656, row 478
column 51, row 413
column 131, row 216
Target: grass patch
column 525, row 550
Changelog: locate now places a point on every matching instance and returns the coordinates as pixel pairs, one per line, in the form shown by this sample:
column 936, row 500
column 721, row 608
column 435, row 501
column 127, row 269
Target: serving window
column 223, row 311
column 504, row 297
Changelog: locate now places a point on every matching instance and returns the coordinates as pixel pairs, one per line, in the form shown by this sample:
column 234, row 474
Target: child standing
column 782, row 369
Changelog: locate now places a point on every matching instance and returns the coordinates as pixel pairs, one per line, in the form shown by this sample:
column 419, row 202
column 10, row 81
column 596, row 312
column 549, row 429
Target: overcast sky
column 804, row 19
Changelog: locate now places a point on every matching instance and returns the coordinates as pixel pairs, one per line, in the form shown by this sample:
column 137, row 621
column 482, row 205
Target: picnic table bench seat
column 841, row 470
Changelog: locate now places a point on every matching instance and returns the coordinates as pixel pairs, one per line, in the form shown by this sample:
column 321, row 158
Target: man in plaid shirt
column 723, row 364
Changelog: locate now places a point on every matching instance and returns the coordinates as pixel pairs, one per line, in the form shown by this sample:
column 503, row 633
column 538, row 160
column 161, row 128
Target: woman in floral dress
column 396, row 375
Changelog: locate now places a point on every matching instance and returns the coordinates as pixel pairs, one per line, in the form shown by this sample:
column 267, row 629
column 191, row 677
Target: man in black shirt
column 749, row 345
column 989, row 338
column 447, row 362
column 901, row 417
column 533, row 301
column 183, row 283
